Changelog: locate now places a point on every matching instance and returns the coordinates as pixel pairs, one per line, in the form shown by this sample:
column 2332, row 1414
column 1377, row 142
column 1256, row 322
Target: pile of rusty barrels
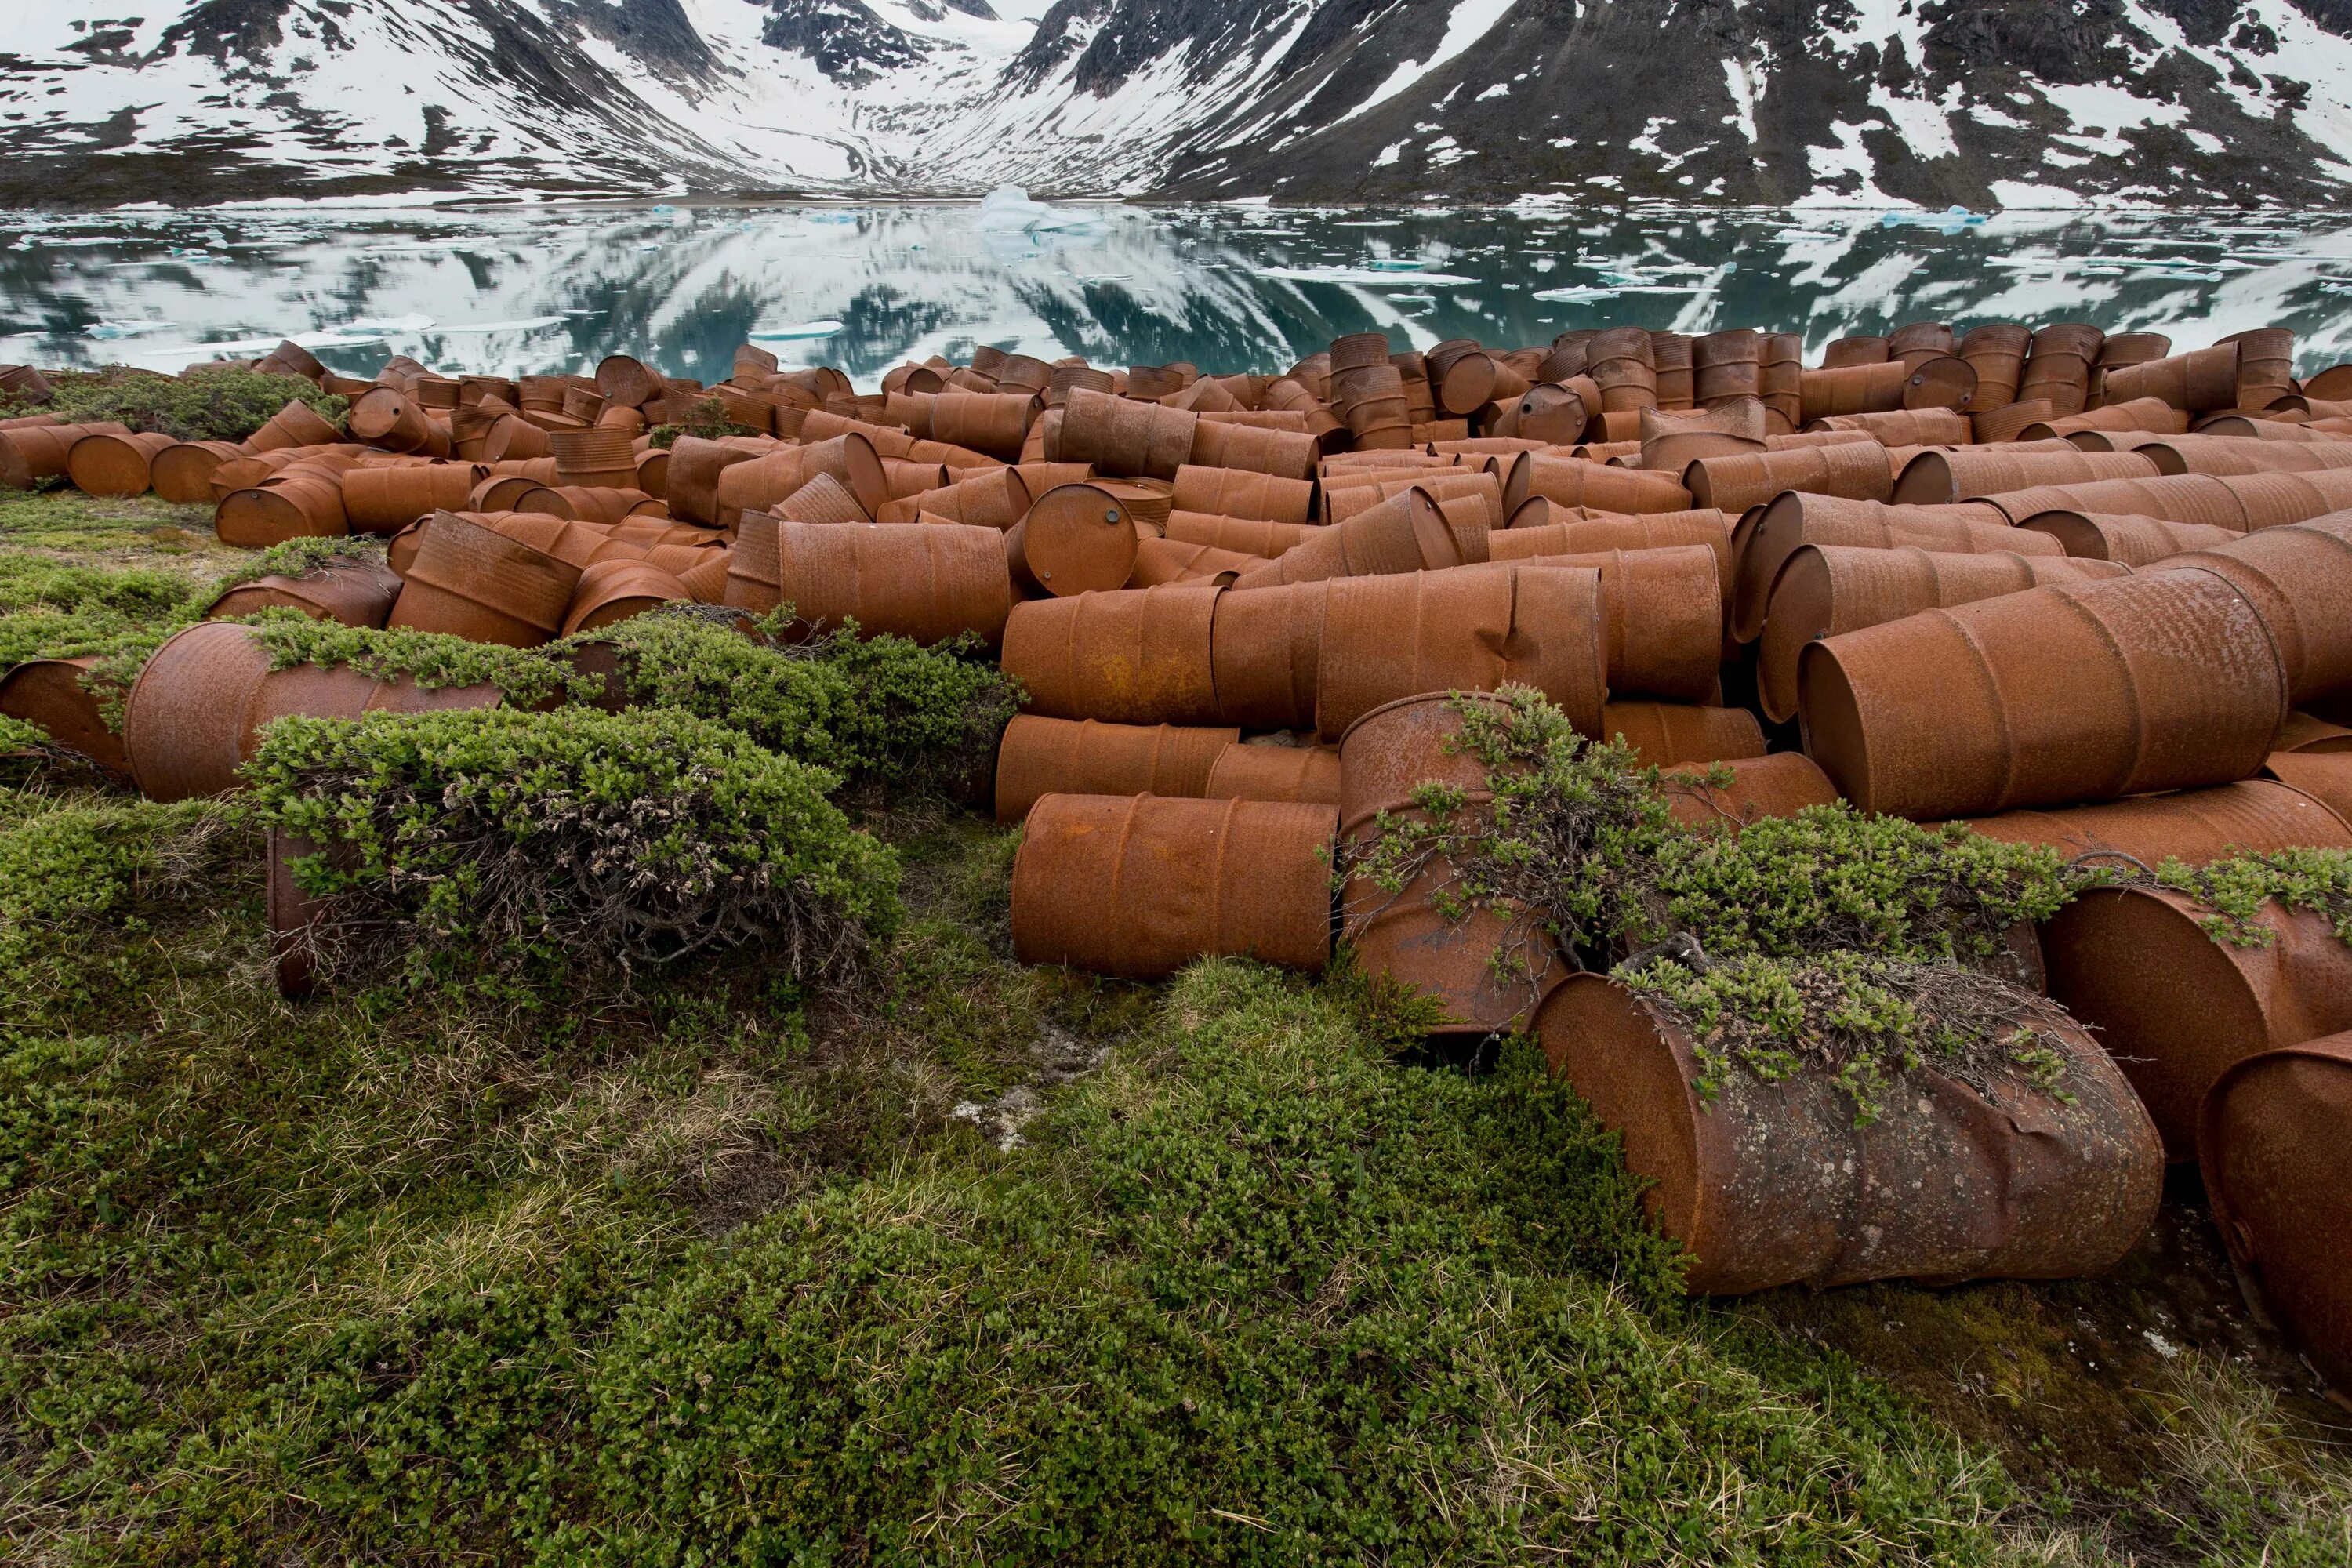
column 2069, row 588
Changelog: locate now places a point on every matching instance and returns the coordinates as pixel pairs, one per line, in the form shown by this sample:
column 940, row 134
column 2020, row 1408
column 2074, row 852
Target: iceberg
column 1007, row 209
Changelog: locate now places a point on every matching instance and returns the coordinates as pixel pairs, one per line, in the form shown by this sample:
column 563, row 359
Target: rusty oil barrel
column 195, row 714
column 1283, row 454
column 1039, row 757
column 2299, row 580
column 1996, row 351
column 30, row 453
column 351, row 589
column 385, row 500
column 1825, row 590
column 1407, row 533
column 2135, row 541
column 2266, row 365
column 390, row 421
column 296, row 425
column 2252, row 817
column 1076, row 539
column 1134, row 655
column 2007, row 423
column 1267, row 653
column 2061, row 694
column 994, row 424
column 2195, row 383
column 992, row 498
column 473, row 582
column 611, row 592
column 1661, row 619
column 1940, row 479
column 1475, row 630
column 1246, row 535
column 1124, row 438
column 53, row 695
column 1569, row 481
column 1161, row 559
column 1231, row 492
column 182, row 473
column 2271, row 1145
column 1769, row 1184
column 1796, row 519
column 1727, row 364
column 107, row 464
column 2179, row 1006
column 1244, row 771
column 928, row 582
column 1387, row 752
column 1856, row 470
column 1781, row 784
column 2058, row 370
column 1669, row 734
column 1138, row 886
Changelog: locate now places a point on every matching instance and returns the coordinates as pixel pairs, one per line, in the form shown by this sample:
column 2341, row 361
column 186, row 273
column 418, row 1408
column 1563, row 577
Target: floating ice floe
column 1007, row 209
column 531, row 324
column 1951, row 220
column 1576, row 294
column 107, row 332
column 411, row 323
column 1374, row 277
column 797, row 330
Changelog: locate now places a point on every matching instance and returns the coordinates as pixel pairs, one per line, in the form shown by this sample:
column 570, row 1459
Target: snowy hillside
column 1851, row 102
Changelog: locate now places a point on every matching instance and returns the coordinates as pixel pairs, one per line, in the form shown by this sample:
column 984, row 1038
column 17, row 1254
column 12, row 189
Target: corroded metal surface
column 1076, row 539
column 2251, row 817
column 352, row 590
column 1663, row 734
column 1276, row 773
column 1135, row 656
column 1040, row 756
column 472, row 582
column 1790, row 522
column 50, row 692
column 1781, row 785
column 1137, row 886
column 1775, row 1184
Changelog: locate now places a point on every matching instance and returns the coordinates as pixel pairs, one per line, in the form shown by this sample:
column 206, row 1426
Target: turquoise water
column 543, row 289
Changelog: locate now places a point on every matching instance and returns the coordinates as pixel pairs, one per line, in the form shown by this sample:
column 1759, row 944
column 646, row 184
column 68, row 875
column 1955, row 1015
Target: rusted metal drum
column 629, row 382
column 925, row 581
column 1678, row 383
column 1725, row 365
column 1042, row 756
column 2196, row 382
column 2135, row 540
column 1276, row 773
column 2061, row 694
column 2266, row 365
column 296, row 425
column 1076, row 539
column 2007, row 423
column 2252, row 817
column 1856, row 470
column 1996, row 351
column 611, row 592
column 1824, row 590
column 1138, row 886
column 195, row 714
column 2179, row 1007
column 1662, row 618
column 2277, row 1165
column 1230, row 492
column 30, row 453
column 1781, row 785
column 182, row 473
column 2087, row 428
column 1570, row 481
column 302, row 500
column 1854, row 388
column 1665, row 734
column 694, row 469
column 992, row 423
column 2204, row 454
column 2299, row 580
column 1386, row 756
column 2059, row 369
column 1553, row 411
column 294, row 916
column 53, row 694
column 1461, row 376
column 1855, row 349
column 1244, row 535
column 1939, row 479
column 992, row 498
column 1407, row 533
column 385, row 500
column 1135, row 656
column 1371, row 401
column 1282, row 453
column 1123, row 437
column 1924, row 426
column 1796, row 520
column 1781, row 372
column 823, row 499
column 1774, row 1184
column 2181, row 498
column 603, row 458
column 1268, row 651
column 1671, row 442
column 386, row 419
column 1648, row 531
column 473, row 582
column 775, row 474
column 1160, row 560
column 106, row 464
column 1472, row 630
column 352, row 590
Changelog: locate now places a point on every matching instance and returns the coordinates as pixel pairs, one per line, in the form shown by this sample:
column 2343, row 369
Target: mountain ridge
column 1739, row 102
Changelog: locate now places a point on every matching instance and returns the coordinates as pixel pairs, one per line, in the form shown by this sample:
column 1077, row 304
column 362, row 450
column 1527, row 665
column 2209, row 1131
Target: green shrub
column 626, row 838
column 202, row 406
column 2235, row 889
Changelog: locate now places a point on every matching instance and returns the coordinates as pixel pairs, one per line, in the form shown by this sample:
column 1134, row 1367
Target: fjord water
column 543, row 289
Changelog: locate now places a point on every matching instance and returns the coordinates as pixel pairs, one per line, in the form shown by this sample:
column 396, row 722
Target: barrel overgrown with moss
column 574, row 837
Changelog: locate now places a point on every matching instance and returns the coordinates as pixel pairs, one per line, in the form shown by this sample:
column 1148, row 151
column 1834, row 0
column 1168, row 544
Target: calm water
column 554, row 289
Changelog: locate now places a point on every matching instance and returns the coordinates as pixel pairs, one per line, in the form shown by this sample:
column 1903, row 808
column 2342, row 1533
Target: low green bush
column 2318, row 881
column 706, row 421
column 202, row 406
column 576, row 836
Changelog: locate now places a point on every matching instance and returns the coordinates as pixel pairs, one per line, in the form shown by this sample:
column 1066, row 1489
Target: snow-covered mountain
column 1831, row 102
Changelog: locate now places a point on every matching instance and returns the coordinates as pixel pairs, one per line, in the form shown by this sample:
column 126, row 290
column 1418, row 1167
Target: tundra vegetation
column 754, row 1205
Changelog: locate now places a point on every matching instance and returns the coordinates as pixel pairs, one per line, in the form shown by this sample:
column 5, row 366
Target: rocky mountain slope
column 1845, row 103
